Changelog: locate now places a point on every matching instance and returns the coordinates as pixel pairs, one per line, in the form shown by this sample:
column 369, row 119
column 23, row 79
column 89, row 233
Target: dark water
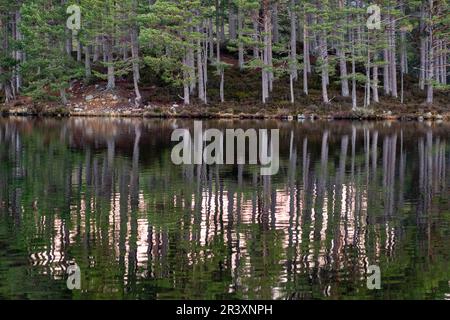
column 105, row 194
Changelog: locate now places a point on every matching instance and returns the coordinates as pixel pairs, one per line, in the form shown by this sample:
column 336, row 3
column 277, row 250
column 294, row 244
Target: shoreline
column 94, row 101
column 169, row 114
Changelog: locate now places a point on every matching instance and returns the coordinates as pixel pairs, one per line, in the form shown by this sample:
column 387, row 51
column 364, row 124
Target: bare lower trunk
column 422, row 73
column 211, row 38
column 8, row 93
column 343, row 69
column 266, row 54
column 376, row 97
column 275, row 23
column 324, row 61
column 402, row 76
column 393, row 60
column 291, row 87
column 96, row 53
column 368, row 68
column 441, row 62
column 109, row 60
column 69, row 46
column 221, row 73
column 191, row 63
column 79, row 51
column 200, row 71
column 255, row 34
column 293, row 18
column 240, row 42
column 62, row 94
column 270, row 63
column 386, row 73
column 87, row 63
column 186, row 82
column 232, row 22
column 222, row 81
column 354, row 102
column 444, row 64
column 430, row 65
column 404, row 56
column 19, row 54
column 135, row 58
column 306, row 62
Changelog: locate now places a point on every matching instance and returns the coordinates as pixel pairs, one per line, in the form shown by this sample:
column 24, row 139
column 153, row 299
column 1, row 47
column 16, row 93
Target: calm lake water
column 105, row 195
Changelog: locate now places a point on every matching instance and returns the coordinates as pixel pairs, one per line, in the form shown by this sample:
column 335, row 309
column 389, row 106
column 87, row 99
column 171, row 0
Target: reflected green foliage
column 105, row 194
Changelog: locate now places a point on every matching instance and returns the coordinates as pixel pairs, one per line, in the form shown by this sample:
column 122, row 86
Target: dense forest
column 192, row 47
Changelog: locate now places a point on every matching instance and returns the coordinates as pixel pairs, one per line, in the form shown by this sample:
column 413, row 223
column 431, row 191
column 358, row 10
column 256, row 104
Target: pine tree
column 180, row 41
column 48, row 68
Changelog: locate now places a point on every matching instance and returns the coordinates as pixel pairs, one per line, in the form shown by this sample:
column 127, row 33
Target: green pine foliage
column 181, row 42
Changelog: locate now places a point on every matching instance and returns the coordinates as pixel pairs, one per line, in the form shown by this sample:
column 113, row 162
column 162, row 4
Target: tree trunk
column 240, row 42
column 306, row 61
column 200, row 71
column 376, row 97
column 354, row 101
column 109, row 60
column 186, row 80
column 87, row 63
column 221, row 73
column 368, row 67
column 4, row 47
column 222, row 82
column 324, row 68
column 135, row 57
column 393, row 60
column 134, row 38
column 62, row 94
column 19, row 55
column 211, row 38
column 291, row 87
column 69, row 46
column 232, row 22
column 275, row 23
column 386, row 72
column 255, row 34
column 422, row 72
column 96, row 54
column 266, row 56
column 441, row 61
column 343, row 69
column 444, row 62
column 404, row 56
column 293, row 18
column 8, row 92
column 79, row 51
column 430, row 57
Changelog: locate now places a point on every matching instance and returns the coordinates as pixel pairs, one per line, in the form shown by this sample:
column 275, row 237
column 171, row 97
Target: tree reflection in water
column 104, row 194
